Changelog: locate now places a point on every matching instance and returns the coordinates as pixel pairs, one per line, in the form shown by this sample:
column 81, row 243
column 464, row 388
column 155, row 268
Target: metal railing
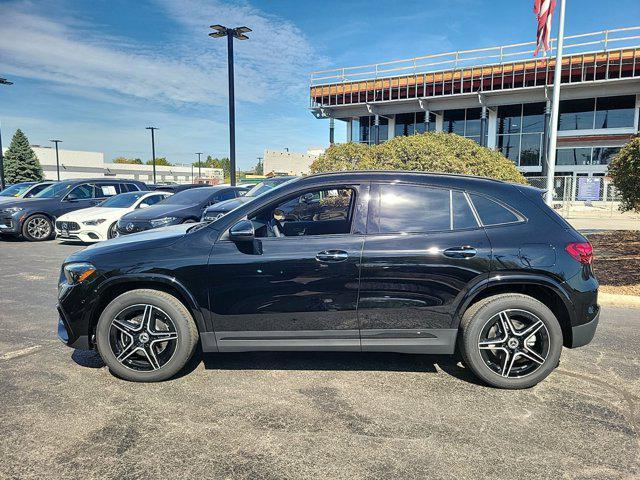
column 603, row 40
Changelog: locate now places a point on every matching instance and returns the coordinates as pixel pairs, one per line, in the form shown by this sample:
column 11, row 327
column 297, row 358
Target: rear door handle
column 460, row 252
column 332, row 256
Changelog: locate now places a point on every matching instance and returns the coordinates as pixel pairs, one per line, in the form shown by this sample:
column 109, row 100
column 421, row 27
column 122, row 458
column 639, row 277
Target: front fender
column 146, row 280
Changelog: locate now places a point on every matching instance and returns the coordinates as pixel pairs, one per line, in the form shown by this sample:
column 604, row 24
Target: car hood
column 229, row 205
column 158, row 211
column 92, row 214
column 29, row 202
column 149, row 239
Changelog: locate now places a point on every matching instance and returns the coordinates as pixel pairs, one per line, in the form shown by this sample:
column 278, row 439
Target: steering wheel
column 275, row 227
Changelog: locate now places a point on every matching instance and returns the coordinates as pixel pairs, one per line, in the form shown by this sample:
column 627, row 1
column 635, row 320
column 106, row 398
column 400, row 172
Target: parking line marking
column 19, row 353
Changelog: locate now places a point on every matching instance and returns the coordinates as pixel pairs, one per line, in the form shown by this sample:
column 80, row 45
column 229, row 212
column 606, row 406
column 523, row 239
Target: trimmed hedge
column 427, row 152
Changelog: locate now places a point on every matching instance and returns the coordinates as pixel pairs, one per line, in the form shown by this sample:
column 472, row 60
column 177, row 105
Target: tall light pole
column 231, row 33
column 153, row 150
column 199, row 165
column 57, row 157
column 3, row 81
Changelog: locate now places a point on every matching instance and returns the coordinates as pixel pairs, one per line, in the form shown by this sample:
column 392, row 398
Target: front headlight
column 78, row 272
column 159, row 222
column 12, row 210
column 95, row 222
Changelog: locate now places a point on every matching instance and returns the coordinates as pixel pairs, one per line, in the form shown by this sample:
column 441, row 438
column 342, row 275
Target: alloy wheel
column 143, row 337
column 39, row 228
column 514, row 343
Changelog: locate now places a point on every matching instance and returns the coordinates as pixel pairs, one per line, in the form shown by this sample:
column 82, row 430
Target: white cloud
column 68, row 53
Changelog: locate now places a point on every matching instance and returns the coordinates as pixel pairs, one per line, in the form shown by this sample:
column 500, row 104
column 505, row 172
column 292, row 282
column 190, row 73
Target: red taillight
column 581, row 251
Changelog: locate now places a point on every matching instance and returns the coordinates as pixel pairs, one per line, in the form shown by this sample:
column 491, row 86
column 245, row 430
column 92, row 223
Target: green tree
column 428, row 152
column 20, row 161
column 128, row 161
column 259, row 168
column 161, row 161
column 625, row 171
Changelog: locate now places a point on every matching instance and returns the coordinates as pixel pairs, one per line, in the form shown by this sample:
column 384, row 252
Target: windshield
column 15, row 190
column 124, row 200
column 189, row 197
column 55, row 190
column 267, row 185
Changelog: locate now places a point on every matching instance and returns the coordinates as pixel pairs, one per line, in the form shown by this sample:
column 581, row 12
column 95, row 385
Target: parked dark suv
column 33, row 218
column 359, row 261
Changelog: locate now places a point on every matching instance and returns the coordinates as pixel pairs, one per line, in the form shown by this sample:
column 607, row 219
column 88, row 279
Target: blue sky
column 96, row 73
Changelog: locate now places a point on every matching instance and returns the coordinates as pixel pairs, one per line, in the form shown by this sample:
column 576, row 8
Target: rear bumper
column 583, row 334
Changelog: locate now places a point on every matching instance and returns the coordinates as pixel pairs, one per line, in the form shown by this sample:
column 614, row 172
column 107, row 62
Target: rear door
column 423, row 247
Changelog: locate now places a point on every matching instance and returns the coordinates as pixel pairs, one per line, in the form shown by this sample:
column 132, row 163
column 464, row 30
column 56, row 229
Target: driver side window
column 81, row 192
column 317, row 212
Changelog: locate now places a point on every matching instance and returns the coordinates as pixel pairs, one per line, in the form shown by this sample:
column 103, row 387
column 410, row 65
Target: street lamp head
column 56, row 141
column 151, row 128
column 220, row 31
column 4, row 81
column 239, row 33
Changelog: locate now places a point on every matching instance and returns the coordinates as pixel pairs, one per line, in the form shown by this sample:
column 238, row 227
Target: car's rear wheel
column 146, row 335
column 113, row 231
column 510, row 340
column 37, row 228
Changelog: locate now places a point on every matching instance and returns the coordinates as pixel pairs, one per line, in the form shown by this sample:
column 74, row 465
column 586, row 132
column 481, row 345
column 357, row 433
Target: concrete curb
column 614, row 300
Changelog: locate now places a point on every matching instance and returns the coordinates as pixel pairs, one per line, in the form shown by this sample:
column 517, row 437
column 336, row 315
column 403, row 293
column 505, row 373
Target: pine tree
column 20, row 161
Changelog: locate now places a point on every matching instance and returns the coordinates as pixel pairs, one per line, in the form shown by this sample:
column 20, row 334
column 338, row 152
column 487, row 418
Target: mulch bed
column 617, row 261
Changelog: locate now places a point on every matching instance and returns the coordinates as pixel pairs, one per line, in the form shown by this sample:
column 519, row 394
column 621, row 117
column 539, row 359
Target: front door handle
column 460, row 252
column 332, row 256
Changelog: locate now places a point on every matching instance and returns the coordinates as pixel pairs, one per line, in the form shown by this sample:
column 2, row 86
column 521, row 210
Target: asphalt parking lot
column 302, row 415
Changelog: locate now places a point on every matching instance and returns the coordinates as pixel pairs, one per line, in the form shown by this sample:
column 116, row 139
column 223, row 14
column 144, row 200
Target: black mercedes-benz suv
column 352, row 261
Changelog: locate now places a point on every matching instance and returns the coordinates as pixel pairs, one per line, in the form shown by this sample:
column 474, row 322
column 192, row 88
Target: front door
column 423, row 248
column 297, row 287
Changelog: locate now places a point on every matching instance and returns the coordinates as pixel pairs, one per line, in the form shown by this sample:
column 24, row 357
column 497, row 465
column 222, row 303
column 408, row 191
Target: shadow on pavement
column 309, row 361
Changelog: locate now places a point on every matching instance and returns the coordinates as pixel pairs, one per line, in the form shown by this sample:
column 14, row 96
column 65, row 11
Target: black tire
column 177, row 352
column 113, row 232
column 493, row 360
column 38, row 228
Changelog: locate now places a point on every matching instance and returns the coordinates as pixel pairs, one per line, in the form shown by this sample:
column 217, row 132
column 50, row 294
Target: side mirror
column 72, row 197
column 144, row 205
column 242, row 231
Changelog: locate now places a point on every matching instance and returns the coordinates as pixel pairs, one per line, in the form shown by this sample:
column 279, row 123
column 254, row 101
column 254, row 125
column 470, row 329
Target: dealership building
column 499, row 97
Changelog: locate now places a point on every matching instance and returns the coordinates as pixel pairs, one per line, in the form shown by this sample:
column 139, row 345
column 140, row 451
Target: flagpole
column 555, row 104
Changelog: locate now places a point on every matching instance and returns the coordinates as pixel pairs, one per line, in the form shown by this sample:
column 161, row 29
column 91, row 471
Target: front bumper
column 10, row 224
column 583, row 334
column 86, row 235
column 67, row 336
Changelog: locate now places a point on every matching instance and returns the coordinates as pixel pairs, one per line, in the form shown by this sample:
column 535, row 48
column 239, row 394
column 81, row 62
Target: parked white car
column 99, row 223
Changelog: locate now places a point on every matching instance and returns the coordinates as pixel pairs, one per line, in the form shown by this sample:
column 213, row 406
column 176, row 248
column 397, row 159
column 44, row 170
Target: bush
column 428, row 152
column 625, row 171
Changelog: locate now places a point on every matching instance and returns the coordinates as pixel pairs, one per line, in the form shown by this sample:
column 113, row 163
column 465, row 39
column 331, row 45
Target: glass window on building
column 577, row 114
column 520, row 131
column 615, row 112
column 367, row 131
column 573, row 156
column 603, row 155
column 454, row 121
column 414, row 122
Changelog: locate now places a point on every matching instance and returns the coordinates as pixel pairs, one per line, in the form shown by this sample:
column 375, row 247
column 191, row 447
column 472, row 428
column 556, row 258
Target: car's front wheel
column 113, row 231
column 146, row 335
column 510, row 340
column 37, row 228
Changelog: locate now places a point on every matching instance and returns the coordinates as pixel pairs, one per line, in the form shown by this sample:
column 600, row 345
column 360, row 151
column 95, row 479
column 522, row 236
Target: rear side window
column 492, row 213
column 104, row 190
column 462, row 214
column 225, row 195
column 129, row 187
column 413, row 209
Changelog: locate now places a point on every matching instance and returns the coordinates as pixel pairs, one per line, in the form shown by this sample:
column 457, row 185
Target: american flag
column 544, row 13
